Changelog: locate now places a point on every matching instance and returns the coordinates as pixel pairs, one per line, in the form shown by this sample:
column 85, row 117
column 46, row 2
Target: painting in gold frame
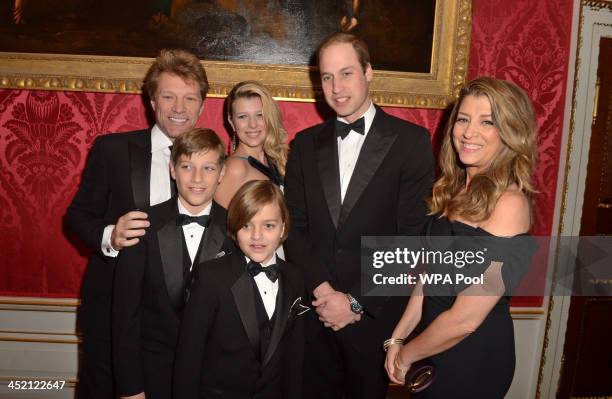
column 436, row 88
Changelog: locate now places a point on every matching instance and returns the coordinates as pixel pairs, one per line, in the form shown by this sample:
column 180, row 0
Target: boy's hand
column 128, row 228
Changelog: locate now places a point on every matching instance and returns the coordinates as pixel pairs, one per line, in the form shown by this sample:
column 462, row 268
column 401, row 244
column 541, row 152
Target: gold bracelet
column 392, row 341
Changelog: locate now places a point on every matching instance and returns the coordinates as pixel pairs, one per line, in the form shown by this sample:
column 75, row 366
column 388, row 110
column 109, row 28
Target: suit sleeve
column 85, row 215
column 127, row 308
column 415, row 185
column 299, row 246
column 197, row 321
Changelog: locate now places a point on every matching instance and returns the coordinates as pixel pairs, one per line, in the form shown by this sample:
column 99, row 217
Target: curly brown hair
column 514, row 117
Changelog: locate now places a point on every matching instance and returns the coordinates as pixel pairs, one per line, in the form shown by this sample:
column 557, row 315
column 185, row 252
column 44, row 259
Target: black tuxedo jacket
column 218, row 350
column 115, row 181
column 148, row 299
column 385, row 197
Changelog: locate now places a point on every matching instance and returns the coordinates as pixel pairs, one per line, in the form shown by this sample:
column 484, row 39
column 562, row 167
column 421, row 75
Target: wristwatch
column 355, row 306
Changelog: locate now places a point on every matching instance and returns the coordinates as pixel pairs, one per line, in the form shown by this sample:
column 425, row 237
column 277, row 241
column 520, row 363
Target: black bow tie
column 343, row 129
column 182, row 220
column 255, row 268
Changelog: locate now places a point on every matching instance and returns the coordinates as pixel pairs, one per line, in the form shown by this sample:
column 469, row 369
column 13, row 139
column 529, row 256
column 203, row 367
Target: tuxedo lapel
column 170, row 243
column 283, row 298
column 326, row 148
column 243, row 293
column 140, row 170
column 214, row 236
column 375, row 147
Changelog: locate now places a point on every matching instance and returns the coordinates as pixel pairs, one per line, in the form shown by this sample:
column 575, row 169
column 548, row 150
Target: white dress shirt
column 159, row 184
column 349, row 149
column 193, row 232
column 160, row 169
column 267, row 289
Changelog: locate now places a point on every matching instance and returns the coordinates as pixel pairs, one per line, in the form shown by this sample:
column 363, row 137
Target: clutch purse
column 420, row 376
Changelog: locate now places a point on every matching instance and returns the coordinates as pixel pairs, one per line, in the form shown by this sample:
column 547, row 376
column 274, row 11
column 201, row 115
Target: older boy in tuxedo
column 152, row 278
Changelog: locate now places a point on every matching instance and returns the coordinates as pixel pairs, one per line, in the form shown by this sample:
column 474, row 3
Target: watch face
column 356, row 307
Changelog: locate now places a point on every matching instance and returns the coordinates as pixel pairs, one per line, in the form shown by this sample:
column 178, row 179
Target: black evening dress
column 481, row 365
column 271, row 171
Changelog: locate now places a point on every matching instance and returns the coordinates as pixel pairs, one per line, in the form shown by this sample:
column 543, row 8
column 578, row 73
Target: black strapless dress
column 271, row 172
column 481, row 365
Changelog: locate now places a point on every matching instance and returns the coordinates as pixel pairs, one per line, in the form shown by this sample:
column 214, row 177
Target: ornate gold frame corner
column 437, row 89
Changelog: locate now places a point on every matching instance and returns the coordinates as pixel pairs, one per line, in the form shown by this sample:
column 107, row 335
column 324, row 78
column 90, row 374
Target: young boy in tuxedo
column 152, row 277
column 242, row 334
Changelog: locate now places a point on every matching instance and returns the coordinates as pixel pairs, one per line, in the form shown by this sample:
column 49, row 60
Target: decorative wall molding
column 597, row 5
column 436, row 89
column 39, row 344
column 592, row 20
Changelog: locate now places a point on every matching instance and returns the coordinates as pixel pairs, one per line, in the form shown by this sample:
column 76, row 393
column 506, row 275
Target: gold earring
column 234, row 141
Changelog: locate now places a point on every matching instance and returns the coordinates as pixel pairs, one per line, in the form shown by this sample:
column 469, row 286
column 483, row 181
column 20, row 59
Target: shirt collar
column 159, row 140
column 368, row 118
column 264, row 264
column 184, row 211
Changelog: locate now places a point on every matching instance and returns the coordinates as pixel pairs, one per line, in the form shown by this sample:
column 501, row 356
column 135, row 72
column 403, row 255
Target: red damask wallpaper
column 45, row 138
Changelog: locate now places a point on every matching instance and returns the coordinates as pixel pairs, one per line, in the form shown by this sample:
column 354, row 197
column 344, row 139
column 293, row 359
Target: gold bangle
column 392, row 341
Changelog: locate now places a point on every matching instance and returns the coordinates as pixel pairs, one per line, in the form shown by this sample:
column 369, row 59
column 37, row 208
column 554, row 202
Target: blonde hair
column 514, row 118
column 275, row 144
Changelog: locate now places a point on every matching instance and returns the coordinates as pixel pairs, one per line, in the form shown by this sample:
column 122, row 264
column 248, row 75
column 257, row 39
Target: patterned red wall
column 45, row 137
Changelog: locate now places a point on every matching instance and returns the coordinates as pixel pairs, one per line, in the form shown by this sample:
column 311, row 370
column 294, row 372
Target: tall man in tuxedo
column 361, row 173
column 125, row 175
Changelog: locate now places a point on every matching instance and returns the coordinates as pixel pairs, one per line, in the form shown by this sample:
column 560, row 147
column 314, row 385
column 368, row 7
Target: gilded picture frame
column 436, row 89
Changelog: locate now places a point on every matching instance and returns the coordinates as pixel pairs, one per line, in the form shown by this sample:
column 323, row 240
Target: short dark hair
column 360, row 47
column 197, row 140
column 178, row 62
column 249, row 200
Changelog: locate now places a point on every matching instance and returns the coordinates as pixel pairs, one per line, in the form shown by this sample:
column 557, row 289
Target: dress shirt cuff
column 107, row 248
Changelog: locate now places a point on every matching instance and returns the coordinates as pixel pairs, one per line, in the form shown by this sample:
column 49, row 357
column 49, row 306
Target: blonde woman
column 259, row 140
column 487, row 159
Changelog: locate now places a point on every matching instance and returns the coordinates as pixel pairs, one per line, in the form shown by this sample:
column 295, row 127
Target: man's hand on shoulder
column 128, row 228
column 334, row 310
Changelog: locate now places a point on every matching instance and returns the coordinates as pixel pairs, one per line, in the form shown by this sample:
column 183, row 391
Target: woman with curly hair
column 259, row 140
column 483, row 194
